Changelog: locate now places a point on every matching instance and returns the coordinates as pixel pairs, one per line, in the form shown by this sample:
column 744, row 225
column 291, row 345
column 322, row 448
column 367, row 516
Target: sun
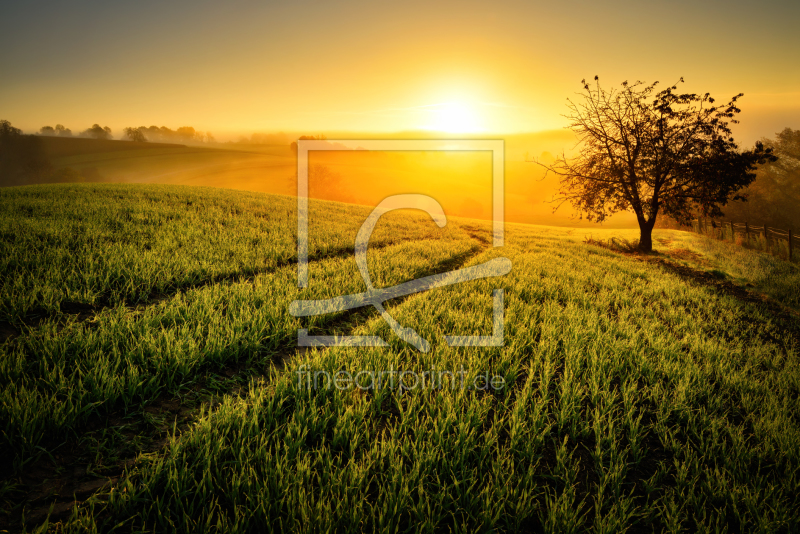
column 454, row 117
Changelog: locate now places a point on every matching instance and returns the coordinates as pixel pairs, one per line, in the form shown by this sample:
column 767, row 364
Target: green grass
column 111, row 244
column 768, row 273
column 634, row 399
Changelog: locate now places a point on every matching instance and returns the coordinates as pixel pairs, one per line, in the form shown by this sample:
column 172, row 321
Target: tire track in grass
column 256, row 353
column 58, row 479
column 342, row 323
column 83, row 312
column 350, row 318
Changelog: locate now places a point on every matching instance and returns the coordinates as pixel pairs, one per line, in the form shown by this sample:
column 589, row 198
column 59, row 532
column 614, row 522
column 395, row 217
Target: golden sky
column 244, row 66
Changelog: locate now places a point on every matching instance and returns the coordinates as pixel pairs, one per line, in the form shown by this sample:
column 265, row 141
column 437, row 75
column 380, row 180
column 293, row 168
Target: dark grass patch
column 99, row 452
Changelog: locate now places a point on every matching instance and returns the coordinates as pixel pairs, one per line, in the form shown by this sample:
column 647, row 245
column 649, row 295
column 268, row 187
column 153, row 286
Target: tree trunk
column 646, row 236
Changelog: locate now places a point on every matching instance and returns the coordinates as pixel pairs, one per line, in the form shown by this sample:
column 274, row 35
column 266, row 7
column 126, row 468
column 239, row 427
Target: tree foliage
column 774, row 197
column 184, row 134
column 652, row 152
column 59, row 130
column 98, row 132
column 135, row 134
column 62, row 131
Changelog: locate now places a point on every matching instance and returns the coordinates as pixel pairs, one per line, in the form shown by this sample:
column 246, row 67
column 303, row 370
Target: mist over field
column 460, row 181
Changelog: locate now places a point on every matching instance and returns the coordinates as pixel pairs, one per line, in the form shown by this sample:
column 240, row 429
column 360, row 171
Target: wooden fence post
column 766, row 242
column 747, row 234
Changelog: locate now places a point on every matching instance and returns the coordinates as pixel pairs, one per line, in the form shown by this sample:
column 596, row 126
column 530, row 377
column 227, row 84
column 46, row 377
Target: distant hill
column 77, row 159
column 59, row 147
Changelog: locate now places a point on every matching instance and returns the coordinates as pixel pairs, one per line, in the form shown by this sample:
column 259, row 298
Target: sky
column 497, row 67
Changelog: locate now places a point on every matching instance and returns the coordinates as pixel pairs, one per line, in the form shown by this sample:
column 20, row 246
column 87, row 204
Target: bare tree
column 651, row 152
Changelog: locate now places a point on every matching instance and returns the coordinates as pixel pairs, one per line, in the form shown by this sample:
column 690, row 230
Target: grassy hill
column 261, row 169
column 150, row 378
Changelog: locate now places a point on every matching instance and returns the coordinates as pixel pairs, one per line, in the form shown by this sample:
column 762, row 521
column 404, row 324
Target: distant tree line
column 23, row 159
column 141, row 134
column 94, row 132
column 774, row 196
column 184, row 134
column 59, row 131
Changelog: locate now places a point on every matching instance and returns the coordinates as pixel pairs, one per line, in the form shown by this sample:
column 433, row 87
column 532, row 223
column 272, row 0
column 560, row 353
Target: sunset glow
column 357, row 66
column 454, row 117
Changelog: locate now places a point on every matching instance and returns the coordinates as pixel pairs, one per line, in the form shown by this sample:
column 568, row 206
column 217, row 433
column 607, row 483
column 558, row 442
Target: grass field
column 150, row 379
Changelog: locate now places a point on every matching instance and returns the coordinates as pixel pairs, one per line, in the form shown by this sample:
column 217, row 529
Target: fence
column 772, row 238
